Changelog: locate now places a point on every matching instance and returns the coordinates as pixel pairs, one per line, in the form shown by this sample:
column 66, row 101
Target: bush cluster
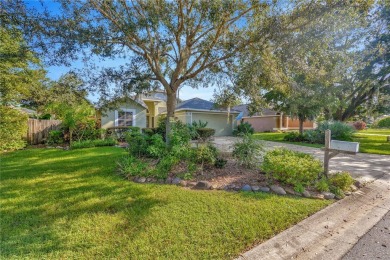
column 143, row 146
column 339, row 131
column 55, row 137
column 359, row 125
column 290, row 167
column 13, row 128
column 93, row 143
column 244, row 128
column 383, row 123
column 248, row 151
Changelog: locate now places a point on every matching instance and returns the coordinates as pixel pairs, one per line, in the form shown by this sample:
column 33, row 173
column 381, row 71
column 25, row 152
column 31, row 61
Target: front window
column 125, row 118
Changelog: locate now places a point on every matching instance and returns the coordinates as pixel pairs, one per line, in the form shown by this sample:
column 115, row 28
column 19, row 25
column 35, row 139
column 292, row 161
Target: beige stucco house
column 196, row 109
column 144, row 111
column 269, row 120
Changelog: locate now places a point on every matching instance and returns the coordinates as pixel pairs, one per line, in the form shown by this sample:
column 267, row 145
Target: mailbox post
column 333, row 148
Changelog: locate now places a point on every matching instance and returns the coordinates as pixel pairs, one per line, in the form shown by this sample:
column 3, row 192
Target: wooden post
column 326, row 152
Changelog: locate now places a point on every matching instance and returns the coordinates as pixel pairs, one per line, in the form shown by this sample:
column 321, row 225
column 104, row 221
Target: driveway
column 362, row 166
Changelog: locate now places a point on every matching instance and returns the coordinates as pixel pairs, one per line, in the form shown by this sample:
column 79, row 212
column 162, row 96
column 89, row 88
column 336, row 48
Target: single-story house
column 144, row 110
column 196, row 109
column 270, row 120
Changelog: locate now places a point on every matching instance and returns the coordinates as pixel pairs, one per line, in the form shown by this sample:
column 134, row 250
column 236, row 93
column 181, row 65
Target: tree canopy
column 168, row 42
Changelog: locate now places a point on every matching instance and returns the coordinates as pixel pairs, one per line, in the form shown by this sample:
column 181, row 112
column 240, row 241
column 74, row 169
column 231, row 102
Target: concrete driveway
column 362, row 166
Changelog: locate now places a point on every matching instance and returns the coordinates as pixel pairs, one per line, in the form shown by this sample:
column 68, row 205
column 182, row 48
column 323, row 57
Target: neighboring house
column 196, row 109
column 270, row 120
column 144, row 110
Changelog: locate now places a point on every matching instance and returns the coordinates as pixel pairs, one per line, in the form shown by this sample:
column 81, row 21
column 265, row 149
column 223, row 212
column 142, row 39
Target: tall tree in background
column 21, row 72
column 172, row 42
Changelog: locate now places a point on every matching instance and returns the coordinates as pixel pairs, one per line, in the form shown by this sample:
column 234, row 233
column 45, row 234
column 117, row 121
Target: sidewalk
column 331, row 232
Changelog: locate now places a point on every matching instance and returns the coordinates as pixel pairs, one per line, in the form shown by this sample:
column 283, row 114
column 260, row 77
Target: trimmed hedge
column 13, row 127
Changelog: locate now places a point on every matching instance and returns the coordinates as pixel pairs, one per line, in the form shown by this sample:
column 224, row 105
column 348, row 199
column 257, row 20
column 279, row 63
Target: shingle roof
column 262, row 112
column 200, row 104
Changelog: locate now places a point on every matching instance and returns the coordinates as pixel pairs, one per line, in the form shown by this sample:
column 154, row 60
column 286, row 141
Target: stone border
column 276, row 189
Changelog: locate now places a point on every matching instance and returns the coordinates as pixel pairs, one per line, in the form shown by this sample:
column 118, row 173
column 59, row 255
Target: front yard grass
column 71, row 204
column 371, row 140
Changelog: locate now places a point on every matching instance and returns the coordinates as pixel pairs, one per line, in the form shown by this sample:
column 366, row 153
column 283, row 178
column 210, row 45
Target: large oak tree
column 169, row 42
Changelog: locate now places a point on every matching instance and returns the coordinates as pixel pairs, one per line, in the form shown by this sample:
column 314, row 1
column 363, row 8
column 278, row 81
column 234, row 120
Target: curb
column 331, row 232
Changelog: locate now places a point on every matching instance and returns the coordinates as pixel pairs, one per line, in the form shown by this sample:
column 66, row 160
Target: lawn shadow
column 36, row 196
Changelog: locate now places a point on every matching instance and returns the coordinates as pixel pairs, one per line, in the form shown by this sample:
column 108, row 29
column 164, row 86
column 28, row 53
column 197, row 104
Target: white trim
column 125, row 110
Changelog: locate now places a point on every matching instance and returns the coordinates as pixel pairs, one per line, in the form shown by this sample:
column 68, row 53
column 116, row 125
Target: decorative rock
column 141, row 179
column 318, row 196
column 358, row 184
column 183, row 183
column 246, row 187
column 264, row 189
column 255, row 188
column 191, row 184
column 353, row 188
column 202, row 185
column 149, row 179
column 214, row 187
column 176, row 181
column 160, row 181
column 338, row 197
column 306, row 194
column 168, row 180
column 278, row 190
column 347, row 193
column 290, row 191
column 59, row 147
column 328, row 195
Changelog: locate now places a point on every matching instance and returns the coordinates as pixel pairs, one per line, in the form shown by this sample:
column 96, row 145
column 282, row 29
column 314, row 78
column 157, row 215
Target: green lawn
column 71, row 204
column 371, row 140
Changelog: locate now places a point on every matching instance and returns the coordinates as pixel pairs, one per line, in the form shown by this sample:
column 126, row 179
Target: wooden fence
column 38, row 130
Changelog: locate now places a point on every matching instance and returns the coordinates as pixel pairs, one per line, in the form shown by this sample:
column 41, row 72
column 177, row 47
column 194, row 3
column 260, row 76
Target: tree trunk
column 171, row 106
column 301, row 126
column 70, row 136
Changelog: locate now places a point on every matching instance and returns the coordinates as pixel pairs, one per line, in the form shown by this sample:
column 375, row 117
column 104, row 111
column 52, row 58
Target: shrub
column 205, row 133
column 314, row 136
column 294, row 137
column 13, row 127
column 129, row 166
column 55, row 137
column 322, row 184
column 138, row 143
column 248, row 151
column 93, row 143
column 244, row 128
column 220, row 163
column 120, row 132
column 341, row 180
column 157, row 147
column 194, row 127
column 340, row 131
column 149, row 131
column 291, row 167
column 206, row 154
column 383, row 123
column 359, row 125
column 165, row 165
